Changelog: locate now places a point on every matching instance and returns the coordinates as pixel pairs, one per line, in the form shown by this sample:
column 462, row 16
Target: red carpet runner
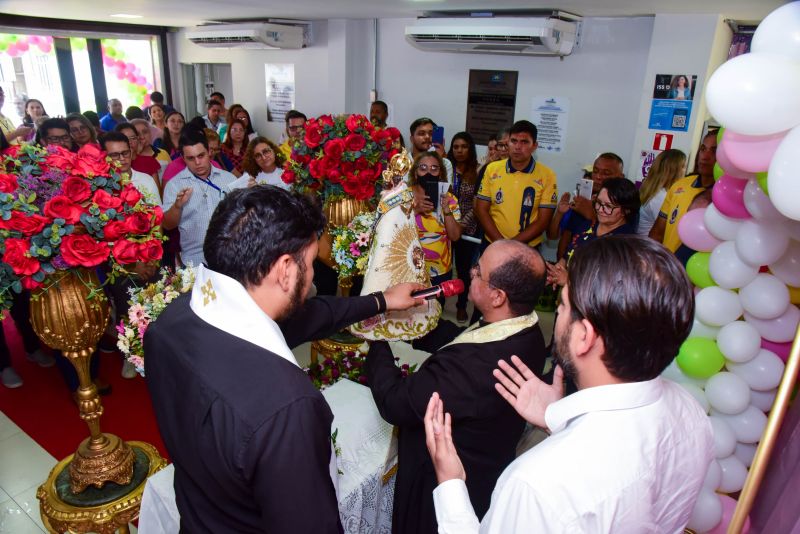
column 43, row 406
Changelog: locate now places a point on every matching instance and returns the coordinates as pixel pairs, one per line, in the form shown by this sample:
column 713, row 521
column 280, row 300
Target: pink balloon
column 131, row 77
column 693, row 233
column 149, row 86
column 12, row 50
column 751, row 153
column 120, row 75
column 728, row 506
column 108, row 61
column 728, row 197
column 727, row 165
column 130, row 67
column 140, row 80
column 49, row 39
column 33, row 39
column 119, row 64
column 45, row 47
column 781, row 349
column 22, row 45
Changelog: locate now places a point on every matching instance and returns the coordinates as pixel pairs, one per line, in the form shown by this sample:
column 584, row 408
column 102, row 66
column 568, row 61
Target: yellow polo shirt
column 676, row 204
column 515, row 196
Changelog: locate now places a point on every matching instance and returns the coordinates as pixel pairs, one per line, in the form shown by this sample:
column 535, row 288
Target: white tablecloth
column 368, row 450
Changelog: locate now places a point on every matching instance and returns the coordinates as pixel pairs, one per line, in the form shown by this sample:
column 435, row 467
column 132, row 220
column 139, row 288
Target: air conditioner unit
column 254, row 35
column 534, row 36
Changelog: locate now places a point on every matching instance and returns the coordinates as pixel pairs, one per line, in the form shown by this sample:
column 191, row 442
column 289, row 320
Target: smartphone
column 584, row 188
column 431, row 188
column 438, row 135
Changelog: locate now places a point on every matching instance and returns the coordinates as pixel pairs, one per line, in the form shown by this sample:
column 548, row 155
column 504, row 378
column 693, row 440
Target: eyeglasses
column 133, row 139
column 78, row 129
column 125, row 154
column 58, row 139
column 602, row 207
column 475, row 271
column 424, row 167
column 263, row 154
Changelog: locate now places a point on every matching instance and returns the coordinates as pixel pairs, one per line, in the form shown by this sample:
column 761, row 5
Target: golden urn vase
column 71, row 315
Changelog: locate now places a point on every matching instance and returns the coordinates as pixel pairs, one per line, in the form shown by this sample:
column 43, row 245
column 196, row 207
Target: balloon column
column 116, row 63
column 747, row 270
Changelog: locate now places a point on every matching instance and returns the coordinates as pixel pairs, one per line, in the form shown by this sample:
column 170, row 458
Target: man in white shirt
column 117, row 146
column 629, row 451
column 192, row 195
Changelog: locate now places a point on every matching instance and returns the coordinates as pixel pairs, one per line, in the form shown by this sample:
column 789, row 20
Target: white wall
column 602, row 79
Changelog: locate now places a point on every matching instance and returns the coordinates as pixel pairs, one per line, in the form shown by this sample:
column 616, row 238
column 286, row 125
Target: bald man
column 506, row 284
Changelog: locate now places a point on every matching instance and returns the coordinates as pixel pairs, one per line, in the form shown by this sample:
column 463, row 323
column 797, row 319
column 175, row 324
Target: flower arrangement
column 348, row 364
column 147, row 303
column 350, row 248
column 61, row 211
column 341, row 156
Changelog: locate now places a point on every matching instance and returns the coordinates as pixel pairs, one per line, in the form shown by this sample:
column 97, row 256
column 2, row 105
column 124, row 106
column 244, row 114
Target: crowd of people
column 483, row 221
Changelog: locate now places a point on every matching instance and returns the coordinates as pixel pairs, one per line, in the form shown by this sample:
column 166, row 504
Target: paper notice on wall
column 550, row 115
column 280, row 90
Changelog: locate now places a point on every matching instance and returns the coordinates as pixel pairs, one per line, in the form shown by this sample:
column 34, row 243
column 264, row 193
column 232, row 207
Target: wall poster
column 280, row 90
column 550, row 115
column 672, row 102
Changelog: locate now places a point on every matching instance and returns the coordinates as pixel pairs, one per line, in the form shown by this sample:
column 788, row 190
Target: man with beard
column 629, row 451
column 248, row 433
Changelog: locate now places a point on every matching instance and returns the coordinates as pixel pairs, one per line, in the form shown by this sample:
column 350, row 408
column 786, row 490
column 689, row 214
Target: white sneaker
column 40, row 358
column 128, row 370
column 11, row 379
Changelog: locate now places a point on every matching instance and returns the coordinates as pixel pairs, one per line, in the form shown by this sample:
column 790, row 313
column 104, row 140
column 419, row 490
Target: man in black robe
column 506, row 284
column 247, row 432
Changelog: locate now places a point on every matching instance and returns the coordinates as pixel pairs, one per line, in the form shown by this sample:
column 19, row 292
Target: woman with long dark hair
column 464, row 156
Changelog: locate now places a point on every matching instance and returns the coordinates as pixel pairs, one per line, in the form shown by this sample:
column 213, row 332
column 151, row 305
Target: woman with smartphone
column 436, row 214
column 464, row 156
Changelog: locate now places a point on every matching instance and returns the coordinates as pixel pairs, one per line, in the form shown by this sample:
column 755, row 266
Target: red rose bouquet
column 341, row 156
column 60, row 211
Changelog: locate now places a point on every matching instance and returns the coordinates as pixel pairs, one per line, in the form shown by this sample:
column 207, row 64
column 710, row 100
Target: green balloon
column 111, row 52
column 3, row 47
column 719, row 135
column 762, row 181
column 718, row 172
column 697, row 269
column 700, row 357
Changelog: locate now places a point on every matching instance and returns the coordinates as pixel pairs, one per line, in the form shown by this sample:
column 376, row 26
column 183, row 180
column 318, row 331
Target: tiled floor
column 24, row 465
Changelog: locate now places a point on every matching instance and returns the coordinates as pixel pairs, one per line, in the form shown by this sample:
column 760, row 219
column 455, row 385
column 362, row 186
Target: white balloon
column 787, row 268
column 745, row 452
column 734, row 474
column 782, row 182
column 762, row 373
column 720, row 226
column 739, row 342
column 727, row 393
column 748, row 425
column 700, row 329
column 707, row 511
column 777, row 33
column 758, row 204
column 716, row 306
column 713, row 476
column 698, row 395
column 766, row 297
column 727, row 268
column 763, row 399
column 755, row 94
column 778, row 330
column 724, row 438
column 761, row 242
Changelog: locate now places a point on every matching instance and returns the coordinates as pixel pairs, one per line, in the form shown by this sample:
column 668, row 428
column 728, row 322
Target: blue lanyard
column 209, row 182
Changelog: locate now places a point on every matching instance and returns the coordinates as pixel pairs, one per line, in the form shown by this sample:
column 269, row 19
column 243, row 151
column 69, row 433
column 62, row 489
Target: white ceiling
column 193, row 12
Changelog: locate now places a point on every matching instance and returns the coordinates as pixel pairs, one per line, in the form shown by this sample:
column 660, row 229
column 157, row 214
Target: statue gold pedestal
column 99, row 487
column 105, row 510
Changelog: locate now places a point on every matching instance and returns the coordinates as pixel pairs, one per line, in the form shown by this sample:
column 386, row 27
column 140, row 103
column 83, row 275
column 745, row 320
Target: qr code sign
column 679, row 121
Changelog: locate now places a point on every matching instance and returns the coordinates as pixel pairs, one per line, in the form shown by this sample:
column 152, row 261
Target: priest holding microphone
column 506, row 284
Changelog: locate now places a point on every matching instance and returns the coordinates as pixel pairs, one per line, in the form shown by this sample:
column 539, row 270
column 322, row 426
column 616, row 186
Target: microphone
column 448, row 288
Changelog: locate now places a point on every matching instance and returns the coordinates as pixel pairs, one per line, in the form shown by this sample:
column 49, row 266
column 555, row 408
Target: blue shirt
column 107, row 123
